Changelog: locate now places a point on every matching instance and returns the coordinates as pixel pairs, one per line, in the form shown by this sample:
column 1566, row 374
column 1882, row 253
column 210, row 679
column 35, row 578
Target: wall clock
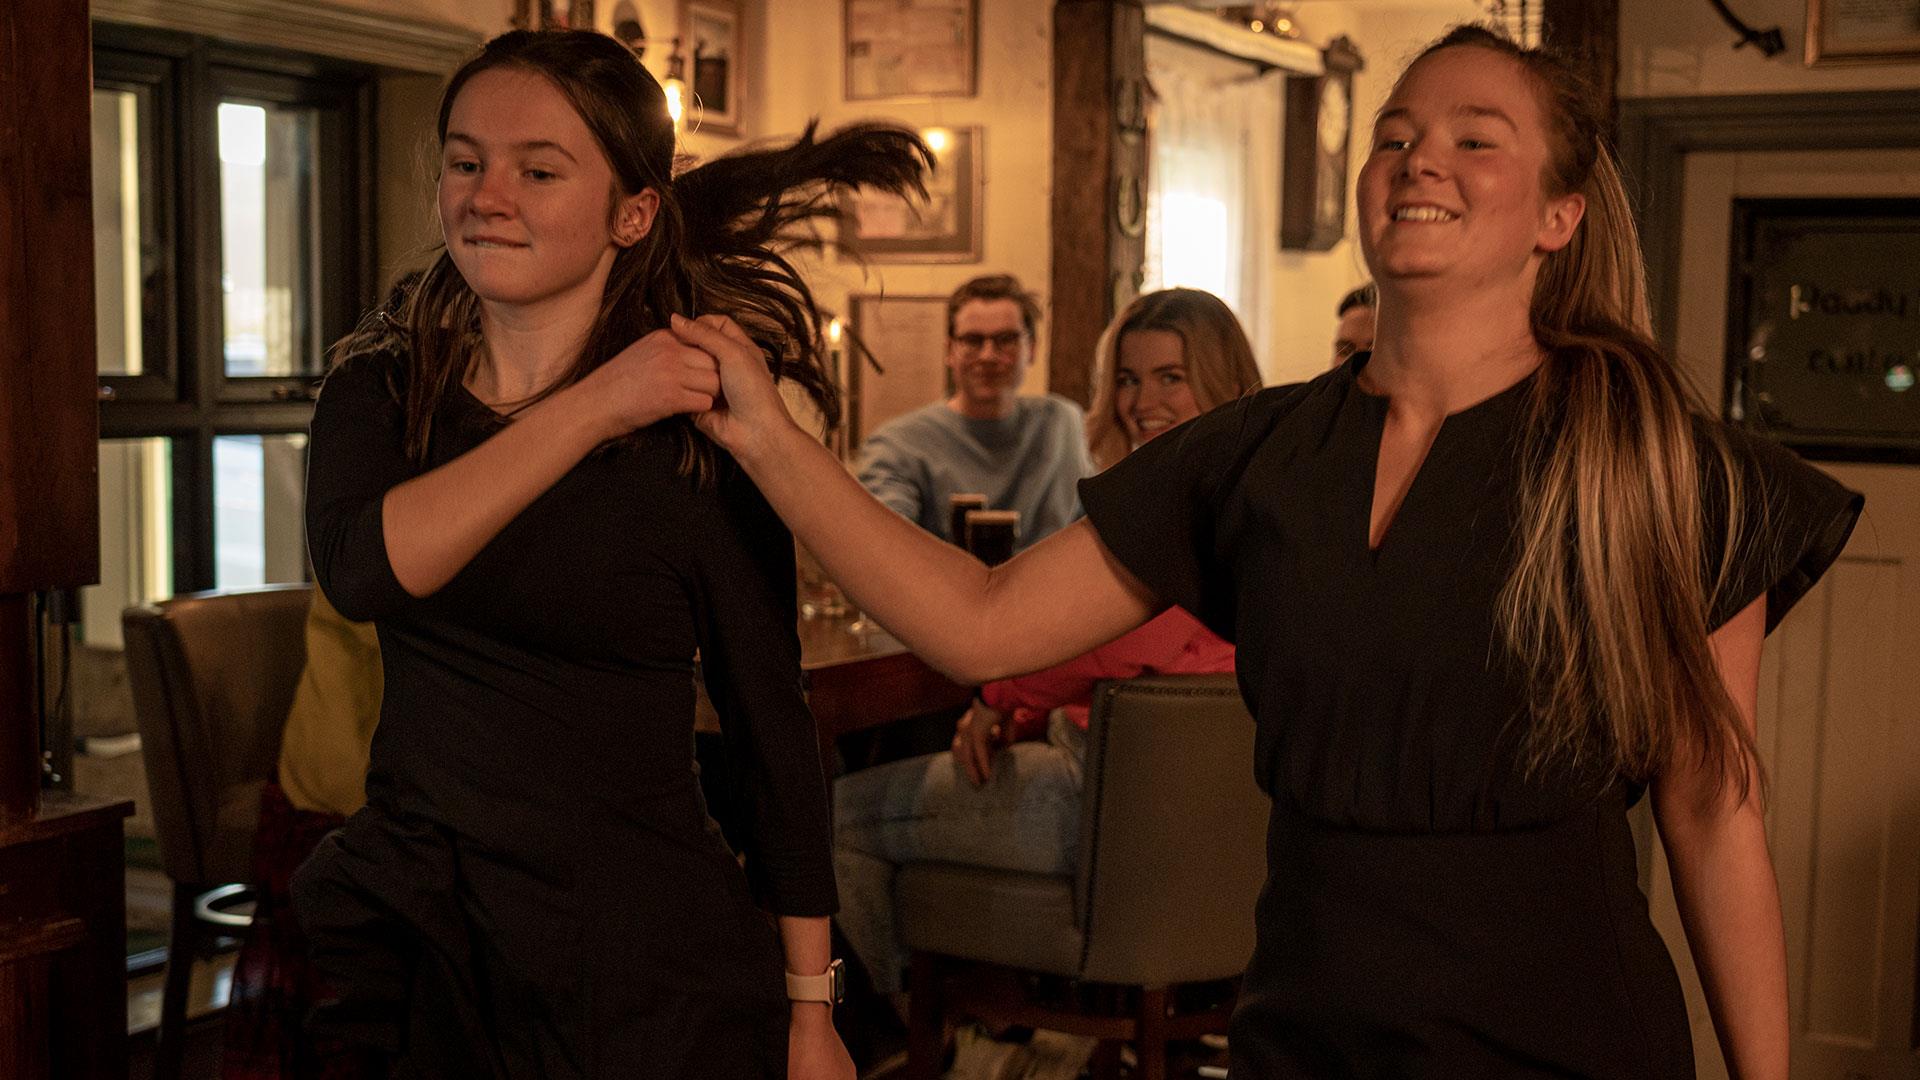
column 1318, row 135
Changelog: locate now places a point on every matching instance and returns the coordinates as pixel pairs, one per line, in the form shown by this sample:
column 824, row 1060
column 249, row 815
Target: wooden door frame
column 1657, row 134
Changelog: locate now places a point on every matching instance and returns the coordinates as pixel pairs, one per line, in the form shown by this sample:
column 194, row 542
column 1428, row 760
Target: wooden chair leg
column 926, row 1018
column 169, row 1058
column 1150, row 1043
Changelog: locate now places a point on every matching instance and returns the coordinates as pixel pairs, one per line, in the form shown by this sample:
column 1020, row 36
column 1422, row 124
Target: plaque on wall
column 905, row 341
column 1823, row 325
column 944, row 227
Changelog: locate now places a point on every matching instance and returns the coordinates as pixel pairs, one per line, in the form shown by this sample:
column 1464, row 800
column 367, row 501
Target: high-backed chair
column 1172, row 857
column 213, row 675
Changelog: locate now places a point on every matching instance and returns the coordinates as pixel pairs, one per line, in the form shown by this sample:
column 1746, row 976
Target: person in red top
column 1008, row 795
column 1174, row 642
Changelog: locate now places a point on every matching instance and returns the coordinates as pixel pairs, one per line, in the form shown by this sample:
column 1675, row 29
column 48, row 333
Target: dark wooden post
column 1588, row 30
column 62, row 881
column 1099, row 178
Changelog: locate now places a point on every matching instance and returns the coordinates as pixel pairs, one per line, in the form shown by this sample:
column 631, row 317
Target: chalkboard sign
column 1823, row 325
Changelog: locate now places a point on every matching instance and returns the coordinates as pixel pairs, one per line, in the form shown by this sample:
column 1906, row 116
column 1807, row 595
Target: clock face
column 1333, row 116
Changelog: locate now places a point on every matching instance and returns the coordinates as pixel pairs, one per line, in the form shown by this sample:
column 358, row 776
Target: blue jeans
column 925, row 809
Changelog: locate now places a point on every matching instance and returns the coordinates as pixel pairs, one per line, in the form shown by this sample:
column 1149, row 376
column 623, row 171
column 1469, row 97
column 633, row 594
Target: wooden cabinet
column 63, row 937
column 63, row 969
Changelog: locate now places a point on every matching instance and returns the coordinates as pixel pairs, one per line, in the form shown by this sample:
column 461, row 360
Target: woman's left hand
column 814, row 1050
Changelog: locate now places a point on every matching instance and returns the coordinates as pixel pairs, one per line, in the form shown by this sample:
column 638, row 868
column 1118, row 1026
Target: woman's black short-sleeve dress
column 1428, row 911
column 535, row 888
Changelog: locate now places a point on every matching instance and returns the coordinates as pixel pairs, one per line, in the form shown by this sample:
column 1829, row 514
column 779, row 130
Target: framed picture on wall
column 904, row 366
column 1821, row 313
column 710, row 35
column 910, row 48
column 944, row 228
column 1863, row 31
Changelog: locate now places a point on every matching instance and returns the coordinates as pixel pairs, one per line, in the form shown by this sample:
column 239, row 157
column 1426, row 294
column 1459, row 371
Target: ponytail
column 1608, row 603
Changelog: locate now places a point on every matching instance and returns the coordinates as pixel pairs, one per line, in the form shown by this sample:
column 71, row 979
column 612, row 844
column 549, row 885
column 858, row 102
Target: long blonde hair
column 1219, row 361
column 1607, row 608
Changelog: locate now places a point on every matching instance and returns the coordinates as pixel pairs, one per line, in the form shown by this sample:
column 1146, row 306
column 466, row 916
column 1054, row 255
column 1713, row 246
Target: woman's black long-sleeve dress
column 1429, row 912
column 535, row 888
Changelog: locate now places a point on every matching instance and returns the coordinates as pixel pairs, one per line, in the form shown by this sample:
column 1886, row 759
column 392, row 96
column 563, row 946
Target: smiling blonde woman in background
column 1166, row 358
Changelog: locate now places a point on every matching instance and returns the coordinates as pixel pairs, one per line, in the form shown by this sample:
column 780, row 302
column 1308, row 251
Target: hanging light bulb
column 937, row 139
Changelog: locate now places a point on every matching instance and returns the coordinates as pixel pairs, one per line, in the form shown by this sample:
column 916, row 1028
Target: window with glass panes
column 233, row 242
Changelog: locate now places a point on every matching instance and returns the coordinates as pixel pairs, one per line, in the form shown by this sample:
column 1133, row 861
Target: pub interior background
column 309, row 180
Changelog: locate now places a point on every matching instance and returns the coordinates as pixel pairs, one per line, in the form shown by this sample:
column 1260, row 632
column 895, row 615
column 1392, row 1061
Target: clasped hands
column 708, row 367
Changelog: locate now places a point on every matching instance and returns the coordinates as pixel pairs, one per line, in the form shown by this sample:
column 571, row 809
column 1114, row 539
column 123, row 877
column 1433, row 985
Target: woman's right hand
column 980, row 734
column 751, row 412
column 655, row 377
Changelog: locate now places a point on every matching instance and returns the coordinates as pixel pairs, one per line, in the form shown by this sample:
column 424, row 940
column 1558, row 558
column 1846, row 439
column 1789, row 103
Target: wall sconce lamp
column 628, row 28
column 676, row 87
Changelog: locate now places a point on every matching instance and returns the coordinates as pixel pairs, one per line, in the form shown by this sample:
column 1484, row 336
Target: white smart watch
column 829, row 986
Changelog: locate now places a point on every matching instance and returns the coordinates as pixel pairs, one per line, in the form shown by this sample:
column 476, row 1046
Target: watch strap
column 828, row 986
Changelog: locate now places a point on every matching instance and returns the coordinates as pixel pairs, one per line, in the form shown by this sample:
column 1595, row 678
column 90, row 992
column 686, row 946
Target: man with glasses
column 1022, row 453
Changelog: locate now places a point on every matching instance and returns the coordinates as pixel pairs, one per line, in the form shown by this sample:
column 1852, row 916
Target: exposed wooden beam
column 1589, row 31
column 1099, row 178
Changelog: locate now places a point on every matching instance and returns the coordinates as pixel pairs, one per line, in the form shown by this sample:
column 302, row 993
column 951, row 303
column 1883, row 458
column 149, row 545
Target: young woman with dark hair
column 535, row 888
column 1488, row 584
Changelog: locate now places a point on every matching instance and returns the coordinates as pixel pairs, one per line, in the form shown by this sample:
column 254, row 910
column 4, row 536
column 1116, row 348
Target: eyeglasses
column 1005, row 341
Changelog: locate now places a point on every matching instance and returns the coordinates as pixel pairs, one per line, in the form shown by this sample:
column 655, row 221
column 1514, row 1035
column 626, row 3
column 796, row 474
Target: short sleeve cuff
column 1800, row 522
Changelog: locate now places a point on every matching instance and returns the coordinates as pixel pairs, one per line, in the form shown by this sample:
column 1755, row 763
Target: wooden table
column 858, row 676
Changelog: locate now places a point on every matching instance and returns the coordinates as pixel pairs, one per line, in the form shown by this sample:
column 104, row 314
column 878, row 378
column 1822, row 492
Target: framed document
column 879, row 227
column 1823, row 315
column 711, row 36
column 1863, row 31
column 910, row 48
column 904, row 366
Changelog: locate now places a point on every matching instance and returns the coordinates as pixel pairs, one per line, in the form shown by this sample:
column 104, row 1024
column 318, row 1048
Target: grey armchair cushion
column 1020, row 920
column 1172, row 853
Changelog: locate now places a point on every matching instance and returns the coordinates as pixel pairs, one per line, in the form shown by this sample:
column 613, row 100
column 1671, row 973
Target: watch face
column 1333, row 115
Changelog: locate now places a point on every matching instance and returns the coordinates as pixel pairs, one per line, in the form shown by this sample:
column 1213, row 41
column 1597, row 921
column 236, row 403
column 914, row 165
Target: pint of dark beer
column 958, row 505
column 991, row 534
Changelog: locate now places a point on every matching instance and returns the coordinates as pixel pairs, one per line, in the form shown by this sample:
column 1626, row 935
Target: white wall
column 1674, row 49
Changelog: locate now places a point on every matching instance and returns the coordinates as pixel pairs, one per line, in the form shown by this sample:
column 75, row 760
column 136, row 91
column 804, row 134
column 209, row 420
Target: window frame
column 191, row 400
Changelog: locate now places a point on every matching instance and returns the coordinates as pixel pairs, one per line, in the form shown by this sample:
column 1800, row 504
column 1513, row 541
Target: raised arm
column 1723, row 881
column 379, row 534
column 1054, row 601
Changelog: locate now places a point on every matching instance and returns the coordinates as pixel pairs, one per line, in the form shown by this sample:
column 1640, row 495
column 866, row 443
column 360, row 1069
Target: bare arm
column 1053, row 601
column 435, row 523
column 1724, row 884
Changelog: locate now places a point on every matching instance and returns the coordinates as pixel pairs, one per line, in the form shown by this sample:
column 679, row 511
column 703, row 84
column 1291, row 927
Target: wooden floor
column 206, row 1004
column 203, row 1052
